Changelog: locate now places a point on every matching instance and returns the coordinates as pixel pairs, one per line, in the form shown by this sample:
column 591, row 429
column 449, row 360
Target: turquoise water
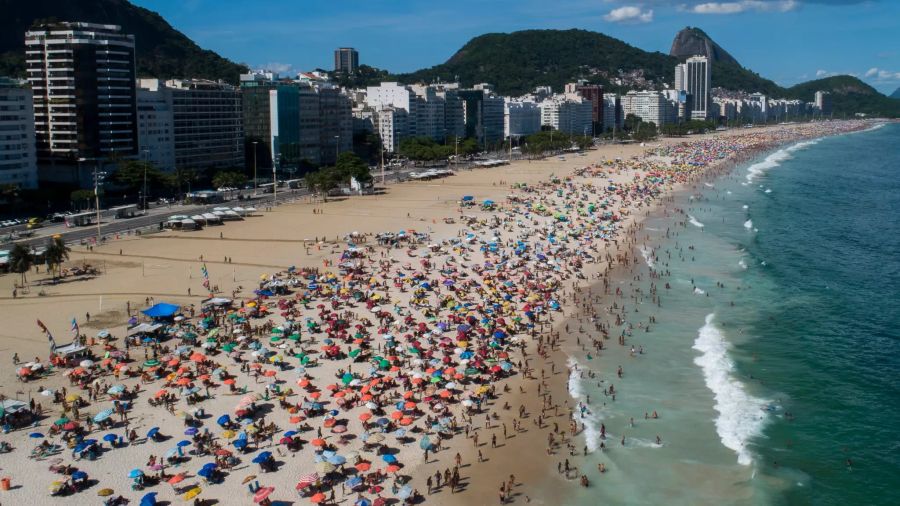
column 775, row 356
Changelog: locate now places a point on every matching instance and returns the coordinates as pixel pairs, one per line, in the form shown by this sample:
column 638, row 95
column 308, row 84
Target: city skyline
column 279, row 37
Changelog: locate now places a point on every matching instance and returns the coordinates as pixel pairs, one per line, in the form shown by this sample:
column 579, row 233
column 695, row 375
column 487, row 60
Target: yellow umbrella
column 228, row 434
column 56, row 485
column 105, row 492
column 192, row 493
column 72, row 397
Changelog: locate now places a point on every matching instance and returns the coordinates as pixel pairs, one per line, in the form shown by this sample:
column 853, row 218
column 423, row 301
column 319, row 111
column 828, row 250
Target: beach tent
column 144, row 328
column 71, row 350
column 161, row 310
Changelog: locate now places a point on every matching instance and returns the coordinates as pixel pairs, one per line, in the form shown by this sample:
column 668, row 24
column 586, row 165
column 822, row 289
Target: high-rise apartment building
column 569, row 113
column 85, row 104
column 650, row 106
column 156, row 126
column 823, row 103
column 346, row 60
column 18, row 164
column 695, row 77
column 336, row 124
column 594, row 94
column 207, row 131
column 521, row 118
column 483, row 114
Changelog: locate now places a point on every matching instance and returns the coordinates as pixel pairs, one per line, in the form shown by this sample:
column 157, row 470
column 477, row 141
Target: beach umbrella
column 152, row 432
column 262, row 457
column 425, row 443
column 109, row 438
column 149, row 499
column 105, row 492
column 79, row 475
column 262, row 493
column 205, row 472
column 325, row 467
column 354, row 482
column 290, row 433
column 116, row 389
column 178, row 478
column 103, row 415
column 388, row 458
column 404, row 493
column 190, row 431
column 192, row 493
column 183, row 443
column 35, row 435
column 307, row 480
column 317, row 498
column 363, row 466
column 223, row 420
column 56, row 486
column 135, row 473
column 362, row 501
column 337, row 460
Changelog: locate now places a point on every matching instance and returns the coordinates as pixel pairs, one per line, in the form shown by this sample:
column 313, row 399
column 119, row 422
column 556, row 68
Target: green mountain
column 162, row 51
column 515, row 63
column 849, row 96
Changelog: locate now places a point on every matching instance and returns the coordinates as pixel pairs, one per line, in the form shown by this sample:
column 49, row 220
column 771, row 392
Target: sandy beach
column 515, row 273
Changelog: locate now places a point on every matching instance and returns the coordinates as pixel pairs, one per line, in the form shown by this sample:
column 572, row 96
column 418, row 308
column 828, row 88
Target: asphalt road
column 159, row 213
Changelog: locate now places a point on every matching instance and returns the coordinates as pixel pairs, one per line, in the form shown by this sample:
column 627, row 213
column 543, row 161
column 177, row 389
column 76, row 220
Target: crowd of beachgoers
column 336, row 382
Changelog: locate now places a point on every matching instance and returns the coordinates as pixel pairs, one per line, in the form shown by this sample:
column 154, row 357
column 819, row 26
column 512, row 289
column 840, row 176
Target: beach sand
column 165, row 266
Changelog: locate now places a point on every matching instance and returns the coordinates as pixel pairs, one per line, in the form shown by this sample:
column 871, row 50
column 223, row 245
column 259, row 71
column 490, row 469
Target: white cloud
column 824, row 73
column 739, row 6
column 882, row 74
column 281, row 68
column 629, row 14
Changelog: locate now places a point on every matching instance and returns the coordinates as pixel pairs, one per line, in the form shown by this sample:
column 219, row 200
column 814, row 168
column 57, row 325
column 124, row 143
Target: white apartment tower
column 18, row 165
column 83, row 78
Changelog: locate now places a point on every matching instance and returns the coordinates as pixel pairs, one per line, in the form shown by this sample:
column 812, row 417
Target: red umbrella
column 363, row 466
column 318, row 442
column 178, row 478
column 262, row 493
column 316, row 499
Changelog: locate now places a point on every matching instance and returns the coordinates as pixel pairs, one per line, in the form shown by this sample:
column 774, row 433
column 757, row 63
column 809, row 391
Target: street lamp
column 97, row 176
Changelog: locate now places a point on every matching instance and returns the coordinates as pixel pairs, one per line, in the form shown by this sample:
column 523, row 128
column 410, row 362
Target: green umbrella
column 228, row 347
column 61, row 421
column 275, row 339
column 294, row 337
column 384, row 364
column 354, row 353
column 347, row 378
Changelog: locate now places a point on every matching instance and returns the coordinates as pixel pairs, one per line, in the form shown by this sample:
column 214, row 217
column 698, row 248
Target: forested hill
column 162, row 51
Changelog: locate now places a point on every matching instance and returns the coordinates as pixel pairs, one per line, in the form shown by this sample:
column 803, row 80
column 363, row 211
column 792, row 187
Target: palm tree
column 57, row 253
column 20, row 260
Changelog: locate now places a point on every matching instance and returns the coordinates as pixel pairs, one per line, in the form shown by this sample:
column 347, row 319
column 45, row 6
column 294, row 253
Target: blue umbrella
column 149, row 499
column 153, row 431
column 425, row 443
column 79, row 475
column 110, row 438
column 382, row 421
column 390, row 459
column 205, row 472
column 362, row 501
column 191, row 431
column 35, row 435
column 210, row 465
column 290, row 433
column 337, row 460
column 224, row 419
column 182, row 443
column 354, row 482
column 103, row 415
column 262, row 457
column 80, row 447
column 135, row 473
column 172, row 452
column 240, row 443
column 404, row 492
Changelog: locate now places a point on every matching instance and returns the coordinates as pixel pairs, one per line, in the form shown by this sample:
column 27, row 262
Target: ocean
column 774, row 360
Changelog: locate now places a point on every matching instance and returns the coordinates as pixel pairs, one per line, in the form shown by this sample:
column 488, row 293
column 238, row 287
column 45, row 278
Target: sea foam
column 647, row 253
column 740, row 414
column 694, row 221
column 748, row 224
column 775, row 159
column 590, row 420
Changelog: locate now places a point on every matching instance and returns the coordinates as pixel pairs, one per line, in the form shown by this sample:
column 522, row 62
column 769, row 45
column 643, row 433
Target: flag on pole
column 74, row 326
column 45, row 330
column 205, row 273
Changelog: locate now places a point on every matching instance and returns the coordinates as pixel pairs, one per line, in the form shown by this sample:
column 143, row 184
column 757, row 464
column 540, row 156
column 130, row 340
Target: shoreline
column 486, row 486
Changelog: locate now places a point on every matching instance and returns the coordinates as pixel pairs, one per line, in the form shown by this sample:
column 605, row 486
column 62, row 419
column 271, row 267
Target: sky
column 788, row 41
